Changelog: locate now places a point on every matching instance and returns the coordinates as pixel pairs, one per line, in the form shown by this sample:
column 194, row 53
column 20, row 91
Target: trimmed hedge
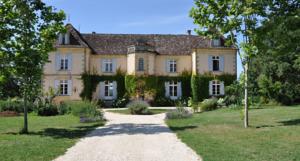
column 200, row 84
column 157, row 83
column 195, row 86
column 90, row 82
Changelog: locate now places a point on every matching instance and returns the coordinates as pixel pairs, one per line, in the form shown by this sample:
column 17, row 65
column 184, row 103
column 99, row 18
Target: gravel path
column 131, row 138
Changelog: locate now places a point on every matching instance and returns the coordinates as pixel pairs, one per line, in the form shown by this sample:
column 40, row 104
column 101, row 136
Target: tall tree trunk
column 25, row 128
column 246, row 119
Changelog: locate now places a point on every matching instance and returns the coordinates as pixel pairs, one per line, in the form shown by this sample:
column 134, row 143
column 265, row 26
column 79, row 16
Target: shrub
column 162, row 101
column 234, row 94
column 209, row 104
column 63, row 109
column 47, row 110
column 11, row 105
column 179, row 113
column 138, row 107
column 121, row 102
column 221, row 102
column 87, row 111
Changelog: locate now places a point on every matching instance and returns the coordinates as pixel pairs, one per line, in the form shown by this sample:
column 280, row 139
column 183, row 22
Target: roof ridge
column 126, row 34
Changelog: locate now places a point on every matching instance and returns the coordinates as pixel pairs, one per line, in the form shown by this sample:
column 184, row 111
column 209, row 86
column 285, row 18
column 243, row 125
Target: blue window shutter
column 101, row 90
column 210, row 88
column 70, row 87
column 67, row 38
column 70, row 59
column 167, row 65
column 179, row 90
column 102, row 65
column 114, row 65
column 115, row 92
column 210, row 64
column 167, row 89
column 60, row 38
column 56, row 86
column 222, row 63
column 222, row 91
column 57, row 61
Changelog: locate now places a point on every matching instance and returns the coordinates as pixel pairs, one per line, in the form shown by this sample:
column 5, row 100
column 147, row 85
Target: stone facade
column 104, row 54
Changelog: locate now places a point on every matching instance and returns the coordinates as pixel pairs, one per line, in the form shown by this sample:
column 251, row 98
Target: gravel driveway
column 131, row 138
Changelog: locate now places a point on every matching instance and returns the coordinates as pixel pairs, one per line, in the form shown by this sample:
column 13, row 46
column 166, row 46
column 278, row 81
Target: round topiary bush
column 209, row 104
column 138, row 108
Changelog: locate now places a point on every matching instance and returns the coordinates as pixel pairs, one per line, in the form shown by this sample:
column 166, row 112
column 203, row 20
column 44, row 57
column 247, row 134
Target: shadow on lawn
column 292, row 122
column 75, row 132
column 112, row 129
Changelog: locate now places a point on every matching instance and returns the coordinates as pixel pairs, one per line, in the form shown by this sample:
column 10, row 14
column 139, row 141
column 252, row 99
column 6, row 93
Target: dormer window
column 64, row 39
column 216, row 42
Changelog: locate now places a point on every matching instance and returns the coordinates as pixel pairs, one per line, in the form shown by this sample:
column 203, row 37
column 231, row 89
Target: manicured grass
column 127, row 112
column 48, row 137
column 219, row 135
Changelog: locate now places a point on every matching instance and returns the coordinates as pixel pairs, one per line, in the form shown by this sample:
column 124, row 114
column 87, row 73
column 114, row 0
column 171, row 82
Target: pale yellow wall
column 83, row 60
column 184, row 63
column 202, row 60
column 78, row 58
column 194, row 65
column 79, row 65
column 77, row 86
column 131, row 63
column 149, row 63
column 95, row 63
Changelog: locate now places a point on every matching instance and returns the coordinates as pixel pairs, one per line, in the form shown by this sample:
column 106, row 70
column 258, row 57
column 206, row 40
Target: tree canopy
column 28, row 29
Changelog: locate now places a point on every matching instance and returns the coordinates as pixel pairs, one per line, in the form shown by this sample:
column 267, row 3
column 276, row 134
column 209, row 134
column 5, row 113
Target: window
column 173, row 86
column 64, row 63
column 141, row 64
column 172, row 66
column 108, row 89
column 216, row 63
column 216, row 42
column 216, row 87
column 64, row 39
column 63, row 87
column 108, row 65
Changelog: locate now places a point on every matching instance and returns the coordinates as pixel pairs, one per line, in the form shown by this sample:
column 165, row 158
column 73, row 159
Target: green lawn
column 219, row 135
column 127, row 112
column 49, row 137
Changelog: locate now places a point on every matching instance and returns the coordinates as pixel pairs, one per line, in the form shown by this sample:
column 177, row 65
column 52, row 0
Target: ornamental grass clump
column 138, row 108
column 87, row 111
column 179, row 113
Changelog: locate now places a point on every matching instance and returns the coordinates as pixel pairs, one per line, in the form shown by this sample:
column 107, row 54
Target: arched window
column 141, row 64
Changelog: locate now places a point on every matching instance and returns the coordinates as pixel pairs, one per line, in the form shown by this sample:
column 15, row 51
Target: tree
column 277, row 40
column 28, row 31
column 235, row 20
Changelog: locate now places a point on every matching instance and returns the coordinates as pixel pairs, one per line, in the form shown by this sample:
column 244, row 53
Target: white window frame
column 141, row 64
column 64, row 62
column 108, row 89
column 63, row 87
column 108, row 65
column 172, row 66
column 215, row 58
column 216, row 88
column 173, row 89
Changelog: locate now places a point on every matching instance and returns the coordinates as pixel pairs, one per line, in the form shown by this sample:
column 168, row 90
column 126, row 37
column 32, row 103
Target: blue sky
column 129, row 16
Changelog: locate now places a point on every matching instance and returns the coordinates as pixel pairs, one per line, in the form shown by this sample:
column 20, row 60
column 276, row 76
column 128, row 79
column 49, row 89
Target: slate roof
column 119, row 43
